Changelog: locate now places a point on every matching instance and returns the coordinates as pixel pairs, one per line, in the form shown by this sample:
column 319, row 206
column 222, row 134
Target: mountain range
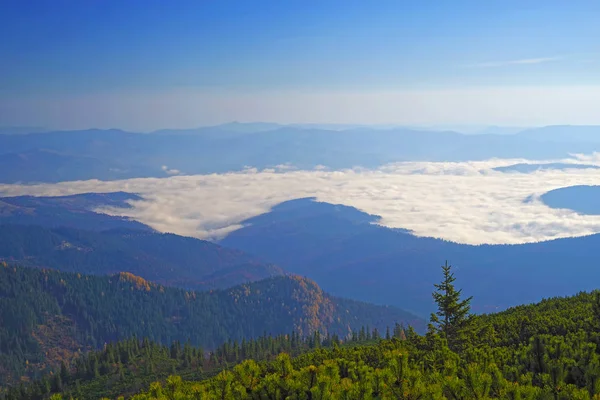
column 348, row 254
column 341, row 248
column 115, row 154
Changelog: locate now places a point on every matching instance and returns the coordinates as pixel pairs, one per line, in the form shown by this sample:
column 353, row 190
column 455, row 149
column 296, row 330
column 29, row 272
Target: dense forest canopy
column 126, row 367
column 48, row 316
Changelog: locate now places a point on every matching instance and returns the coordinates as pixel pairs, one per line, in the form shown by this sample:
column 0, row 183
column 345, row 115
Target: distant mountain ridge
column 20, row 130
column 564, row 133
column 115, row 154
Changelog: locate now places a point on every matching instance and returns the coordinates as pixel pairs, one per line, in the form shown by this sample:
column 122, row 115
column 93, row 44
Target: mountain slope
column 164, row 258
column 538, row 351
column 351, row 257
column 44, row 310
column 42, row 165
column 581, row 199
column 75, row 211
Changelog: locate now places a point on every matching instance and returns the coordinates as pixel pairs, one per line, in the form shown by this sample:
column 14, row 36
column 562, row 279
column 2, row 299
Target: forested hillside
column 49, row 317
column 126, row 367
column 164, row 258
column 543, row 351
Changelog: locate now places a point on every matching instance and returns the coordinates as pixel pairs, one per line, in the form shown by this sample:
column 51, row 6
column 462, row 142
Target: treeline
column 49, row 317
column 544, row 351
column 388, row 370
column 126, row 367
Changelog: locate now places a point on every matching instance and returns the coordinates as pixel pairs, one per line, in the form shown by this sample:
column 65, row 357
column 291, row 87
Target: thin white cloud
column 170, row 171
column 587, row 158
column 285, row 167
column 523, row 61
column 466, row 202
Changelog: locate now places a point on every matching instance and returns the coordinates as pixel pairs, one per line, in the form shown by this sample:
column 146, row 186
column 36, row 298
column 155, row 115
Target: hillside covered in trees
column 126, row 367
column 542, row 351
column 49, row 317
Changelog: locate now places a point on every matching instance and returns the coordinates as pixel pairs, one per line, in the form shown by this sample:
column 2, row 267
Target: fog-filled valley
column 344, row 228
column 374, row 231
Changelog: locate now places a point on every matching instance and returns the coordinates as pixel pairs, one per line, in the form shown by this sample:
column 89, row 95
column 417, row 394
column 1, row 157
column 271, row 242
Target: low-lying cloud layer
column 463, row 202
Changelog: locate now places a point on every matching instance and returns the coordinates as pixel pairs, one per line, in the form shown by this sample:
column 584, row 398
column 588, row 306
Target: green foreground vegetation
column 543, row 351
column 126, row 367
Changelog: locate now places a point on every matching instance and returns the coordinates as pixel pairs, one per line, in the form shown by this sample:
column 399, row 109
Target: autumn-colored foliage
column 140, row 283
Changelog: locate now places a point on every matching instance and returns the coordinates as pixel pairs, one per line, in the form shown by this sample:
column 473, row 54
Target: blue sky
column 151, row 64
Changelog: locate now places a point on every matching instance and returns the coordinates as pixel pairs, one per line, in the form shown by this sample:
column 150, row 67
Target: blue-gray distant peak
column 581, row 199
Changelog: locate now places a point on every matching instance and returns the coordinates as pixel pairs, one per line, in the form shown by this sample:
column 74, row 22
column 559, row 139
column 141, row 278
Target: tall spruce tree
column 453, row 317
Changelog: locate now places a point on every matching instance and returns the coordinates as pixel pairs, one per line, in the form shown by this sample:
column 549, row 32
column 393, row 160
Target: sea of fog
column 467, row 202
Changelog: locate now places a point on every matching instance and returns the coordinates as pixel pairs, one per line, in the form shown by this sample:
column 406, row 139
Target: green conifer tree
column 453, row 317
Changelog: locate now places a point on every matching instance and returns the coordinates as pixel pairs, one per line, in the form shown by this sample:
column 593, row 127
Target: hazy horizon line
column 339, row 125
